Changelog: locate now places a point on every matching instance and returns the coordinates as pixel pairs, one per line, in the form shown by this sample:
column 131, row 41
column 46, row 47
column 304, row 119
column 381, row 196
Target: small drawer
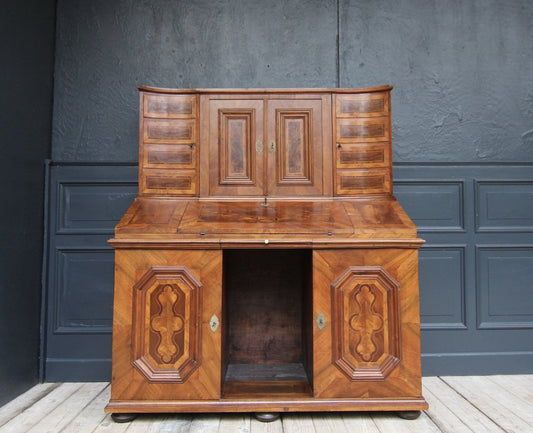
column 363, row 182
column 362, row 105
column 169, row 106
column 169, row 155
column 362, row 130
column 168, row 182
column 362, row 155
column 169, row 131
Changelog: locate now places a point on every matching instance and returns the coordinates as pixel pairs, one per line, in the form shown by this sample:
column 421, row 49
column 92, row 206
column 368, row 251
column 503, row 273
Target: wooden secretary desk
column 265, row 265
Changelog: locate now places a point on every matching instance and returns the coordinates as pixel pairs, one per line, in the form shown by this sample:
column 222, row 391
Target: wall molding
column 513, row 319
column 459, row 326
column 456, row 225
column 461, row 323
column 482, row 203
column 61, row 326
column 109, row 191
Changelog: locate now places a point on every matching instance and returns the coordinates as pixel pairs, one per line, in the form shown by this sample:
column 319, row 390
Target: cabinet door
column 236, row 147
column 166, row 333
column 366, row 338
column 294, row 145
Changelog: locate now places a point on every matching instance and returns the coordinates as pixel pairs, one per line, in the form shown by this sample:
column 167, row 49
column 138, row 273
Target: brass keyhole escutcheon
column 321, row 321
column 214, row 323
column 272, row 146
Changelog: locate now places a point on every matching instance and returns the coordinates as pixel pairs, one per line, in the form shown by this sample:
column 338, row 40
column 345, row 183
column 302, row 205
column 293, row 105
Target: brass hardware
column 214, row 323
column 272, row 146
column 321, row 321
column 192, row 145
column 259, row 146
column 339, row 146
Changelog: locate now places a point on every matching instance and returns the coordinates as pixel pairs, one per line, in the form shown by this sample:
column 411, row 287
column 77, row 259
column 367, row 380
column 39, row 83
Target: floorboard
column 458, row 404
column 25, row 401
column 469, row 414
column 490, row 404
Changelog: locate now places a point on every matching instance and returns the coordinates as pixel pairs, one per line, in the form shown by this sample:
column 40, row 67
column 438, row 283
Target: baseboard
column 478, row 364
column 74, row 370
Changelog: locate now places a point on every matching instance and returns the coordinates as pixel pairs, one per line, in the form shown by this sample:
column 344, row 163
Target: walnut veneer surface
column 281, row 198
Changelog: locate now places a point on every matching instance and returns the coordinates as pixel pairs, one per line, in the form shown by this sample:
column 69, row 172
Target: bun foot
column 408, row 414
column 123, row 417
column 266, row 416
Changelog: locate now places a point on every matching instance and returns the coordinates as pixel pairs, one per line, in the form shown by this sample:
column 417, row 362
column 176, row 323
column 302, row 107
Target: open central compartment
column 268, row 314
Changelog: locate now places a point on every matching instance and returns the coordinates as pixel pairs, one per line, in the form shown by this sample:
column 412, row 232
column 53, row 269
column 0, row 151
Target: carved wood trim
column 166, row 324
column 366, row 337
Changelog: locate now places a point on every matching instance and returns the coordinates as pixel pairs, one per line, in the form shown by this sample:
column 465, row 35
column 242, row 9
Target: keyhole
column 320, row 321
column 213, row 323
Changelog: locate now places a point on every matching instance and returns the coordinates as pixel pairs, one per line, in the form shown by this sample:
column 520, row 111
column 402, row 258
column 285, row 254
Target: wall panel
column 85, row 204
column 475, row 286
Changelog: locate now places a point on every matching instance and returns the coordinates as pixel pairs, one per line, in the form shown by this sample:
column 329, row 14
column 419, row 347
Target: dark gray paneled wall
column 26, row 74
column 105, row 49
column 463, row 77
column 462, row 71
column 476, row 269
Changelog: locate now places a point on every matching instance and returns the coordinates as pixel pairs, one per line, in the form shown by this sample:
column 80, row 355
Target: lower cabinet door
column 366, row 337
column 166, row 326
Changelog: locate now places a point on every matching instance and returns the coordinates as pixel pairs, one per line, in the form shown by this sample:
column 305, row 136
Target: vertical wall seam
column 338, row 57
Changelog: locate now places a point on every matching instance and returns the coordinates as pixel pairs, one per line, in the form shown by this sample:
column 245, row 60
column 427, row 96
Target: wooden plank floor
column 457, row 404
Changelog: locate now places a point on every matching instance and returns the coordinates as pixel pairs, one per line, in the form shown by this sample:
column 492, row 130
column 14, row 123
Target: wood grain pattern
column 362, row 105
column 362, row 129
column 366, row 337
column 169, row 156
column 166, row 325
column 139, row 271
column 363, row 182
column 277, row 217
column 362, row 155
column 169, row 131
column 295, row 149
column 169, row 106
column 168, row 142
column 397, row 379
column 265, row 265
column 41, row 410
column 264, row 291
column 235, row 164
column 159, row 182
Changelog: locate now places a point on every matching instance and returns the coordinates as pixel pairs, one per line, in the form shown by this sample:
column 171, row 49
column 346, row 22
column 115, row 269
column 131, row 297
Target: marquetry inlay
column 365, row 339
column 168, row 323
column 366, row 322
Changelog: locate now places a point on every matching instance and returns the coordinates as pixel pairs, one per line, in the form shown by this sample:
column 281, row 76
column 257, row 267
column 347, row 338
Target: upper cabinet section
column 274, row 143
column 168, row 156
column 259, row 145
column 363, row 155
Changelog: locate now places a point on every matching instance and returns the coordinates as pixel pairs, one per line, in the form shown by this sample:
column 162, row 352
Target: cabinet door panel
column 367, row 342
column 235, row 147
column 295, row 147
column 163, row 346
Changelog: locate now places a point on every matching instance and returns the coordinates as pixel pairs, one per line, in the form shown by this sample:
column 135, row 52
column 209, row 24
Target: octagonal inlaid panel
column 366, row 340
column 166, row 323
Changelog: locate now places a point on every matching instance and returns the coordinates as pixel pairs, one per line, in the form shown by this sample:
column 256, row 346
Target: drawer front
column 362, row 105
column 370, row 129
column 170, row 106
column 362, row 155
column 169, row 131
column 169, row 156
column 168, row 182
column 363, row 182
